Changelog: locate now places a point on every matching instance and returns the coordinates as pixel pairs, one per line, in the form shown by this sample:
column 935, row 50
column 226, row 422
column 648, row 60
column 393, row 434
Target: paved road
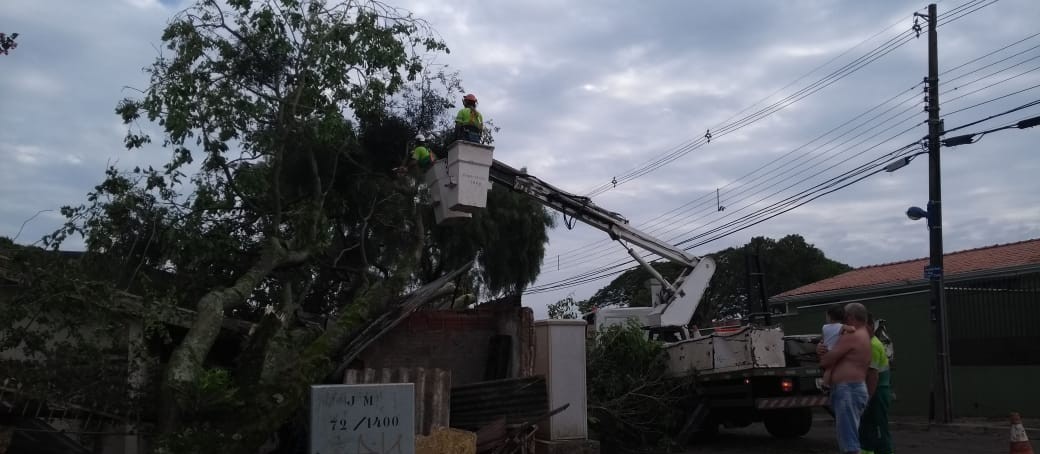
column 754, row 439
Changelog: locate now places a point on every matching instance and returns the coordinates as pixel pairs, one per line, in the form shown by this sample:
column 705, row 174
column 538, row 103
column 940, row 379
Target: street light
column 915, row 213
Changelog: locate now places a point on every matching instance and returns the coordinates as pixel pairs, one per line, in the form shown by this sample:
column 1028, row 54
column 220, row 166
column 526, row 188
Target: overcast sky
column 586, row 91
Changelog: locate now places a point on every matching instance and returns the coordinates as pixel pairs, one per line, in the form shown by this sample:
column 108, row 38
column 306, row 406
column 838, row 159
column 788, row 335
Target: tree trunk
column 275, row 403
column 188, row 358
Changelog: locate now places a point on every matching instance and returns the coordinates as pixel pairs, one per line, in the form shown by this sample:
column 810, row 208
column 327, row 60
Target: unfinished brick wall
column 454, row 340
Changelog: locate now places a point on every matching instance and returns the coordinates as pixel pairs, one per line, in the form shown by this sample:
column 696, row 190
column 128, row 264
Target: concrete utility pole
column 935, row 266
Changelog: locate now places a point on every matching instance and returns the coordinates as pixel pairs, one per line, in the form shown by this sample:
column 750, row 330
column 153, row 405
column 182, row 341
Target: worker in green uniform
column 874, row 436
column 469, row 124
column 420, row 157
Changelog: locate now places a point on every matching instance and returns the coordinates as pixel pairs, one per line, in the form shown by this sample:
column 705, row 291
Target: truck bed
column 800, row 371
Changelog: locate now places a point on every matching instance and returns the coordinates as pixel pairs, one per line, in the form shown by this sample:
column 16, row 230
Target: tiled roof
column 994, row 257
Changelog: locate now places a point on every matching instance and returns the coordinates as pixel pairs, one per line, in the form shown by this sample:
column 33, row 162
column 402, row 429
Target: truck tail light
column 787, row 385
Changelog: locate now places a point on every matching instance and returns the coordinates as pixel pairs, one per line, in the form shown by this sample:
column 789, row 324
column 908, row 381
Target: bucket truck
column 753, row 373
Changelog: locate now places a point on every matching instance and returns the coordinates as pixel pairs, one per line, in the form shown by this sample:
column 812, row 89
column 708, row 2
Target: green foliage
column 632, row 401
column 7, row 43
column 788, row 263
column 568, row 308
column 213, row 389
column 630, row 288
column 508, row 238
column 283, row 121
column 58, row 343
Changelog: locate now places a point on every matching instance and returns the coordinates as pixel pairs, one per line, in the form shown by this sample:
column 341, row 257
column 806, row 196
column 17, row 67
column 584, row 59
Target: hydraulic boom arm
column 681, row 298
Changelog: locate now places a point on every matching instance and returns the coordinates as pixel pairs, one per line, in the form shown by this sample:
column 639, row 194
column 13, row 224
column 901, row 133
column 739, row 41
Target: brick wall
column 457, row 340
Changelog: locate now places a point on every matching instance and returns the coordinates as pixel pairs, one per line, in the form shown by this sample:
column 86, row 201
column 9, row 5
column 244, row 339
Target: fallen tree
column 633, row 404
column 278, row 210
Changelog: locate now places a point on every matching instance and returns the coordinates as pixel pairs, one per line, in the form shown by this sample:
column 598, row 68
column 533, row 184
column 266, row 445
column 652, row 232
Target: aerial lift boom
column 679, row 300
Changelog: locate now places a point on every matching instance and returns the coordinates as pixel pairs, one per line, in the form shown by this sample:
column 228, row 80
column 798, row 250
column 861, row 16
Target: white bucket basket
column 469, row 164
column 441, row 186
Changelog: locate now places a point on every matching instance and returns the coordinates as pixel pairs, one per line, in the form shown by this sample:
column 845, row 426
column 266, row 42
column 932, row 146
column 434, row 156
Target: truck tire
column 788, row 423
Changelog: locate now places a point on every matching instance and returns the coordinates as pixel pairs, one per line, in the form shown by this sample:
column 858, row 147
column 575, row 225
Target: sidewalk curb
column 1034, row 433
column 961, row 427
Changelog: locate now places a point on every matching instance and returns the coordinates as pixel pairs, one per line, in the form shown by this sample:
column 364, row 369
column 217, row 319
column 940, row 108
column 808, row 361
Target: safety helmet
column 420, row 138
column 469, row 98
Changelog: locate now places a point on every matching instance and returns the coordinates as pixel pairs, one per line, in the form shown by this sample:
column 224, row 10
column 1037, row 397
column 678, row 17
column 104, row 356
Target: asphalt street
column 821, row 439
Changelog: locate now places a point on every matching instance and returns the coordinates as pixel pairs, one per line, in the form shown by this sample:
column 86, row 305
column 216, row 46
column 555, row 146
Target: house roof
column 989, row 258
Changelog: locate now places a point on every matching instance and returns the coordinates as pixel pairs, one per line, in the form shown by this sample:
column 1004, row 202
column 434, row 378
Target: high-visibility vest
column 422, row 156
column 879, row 361
column 469, row 117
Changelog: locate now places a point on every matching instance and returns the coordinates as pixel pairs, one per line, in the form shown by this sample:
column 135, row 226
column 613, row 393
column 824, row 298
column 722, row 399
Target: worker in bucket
column 420, row 157
column 469, row 124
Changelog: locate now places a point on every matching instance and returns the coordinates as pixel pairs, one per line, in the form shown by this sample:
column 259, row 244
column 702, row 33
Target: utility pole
column 934, row 272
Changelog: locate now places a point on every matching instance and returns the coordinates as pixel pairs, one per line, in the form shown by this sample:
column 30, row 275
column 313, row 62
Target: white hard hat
column 420, row 137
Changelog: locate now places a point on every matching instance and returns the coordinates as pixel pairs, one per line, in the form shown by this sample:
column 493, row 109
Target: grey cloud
column 571, row 86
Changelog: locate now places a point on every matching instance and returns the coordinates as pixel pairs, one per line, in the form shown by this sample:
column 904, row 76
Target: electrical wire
column 885, row 157
column 1028, row 105
column 1016, row 109
column 940, row 22
column 992, row 100
column 618, row 268
column 955, row 68
column 974, row 137
column 594, row 273
column 958, row 12
column 779, row 172
column 994, row 63
column 760, row 114
column 769, row 110
column 991, row 85
column 601, row 270
column 669, row 216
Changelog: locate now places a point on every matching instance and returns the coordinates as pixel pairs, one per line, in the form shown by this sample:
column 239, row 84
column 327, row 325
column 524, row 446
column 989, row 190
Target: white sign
column 363, row 419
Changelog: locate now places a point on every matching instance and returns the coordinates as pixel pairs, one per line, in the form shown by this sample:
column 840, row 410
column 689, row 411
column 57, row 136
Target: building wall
column 454, row 340
column 995, row 347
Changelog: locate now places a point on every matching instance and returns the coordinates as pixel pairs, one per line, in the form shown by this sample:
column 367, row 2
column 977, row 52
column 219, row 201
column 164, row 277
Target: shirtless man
column 849, row 361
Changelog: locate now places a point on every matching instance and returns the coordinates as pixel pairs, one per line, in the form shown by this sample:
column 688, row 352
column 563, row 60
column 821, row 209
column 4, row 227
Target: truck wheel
column 788, row 423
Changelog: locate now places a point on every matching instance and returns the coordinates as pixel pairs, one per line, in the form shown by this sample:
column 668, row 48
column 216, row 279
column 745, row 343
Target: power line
column 992, row 100
column 994, row 64
column 993, row 84
column 952, row 19
column 1034, row 35
column 668, row 216
column 829, row 80
column 779, row 172
column 697, row 143
column 887, row 156
column 611, row 270
column 952, row 69
column 991, row 75
column 974, row 137
column 1016, row 109
column 792, row 202
column 953, row 11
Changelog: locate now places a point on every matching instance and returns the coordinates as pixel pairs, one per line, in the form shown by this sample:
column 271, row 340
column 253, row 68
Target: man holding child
column 847, row 365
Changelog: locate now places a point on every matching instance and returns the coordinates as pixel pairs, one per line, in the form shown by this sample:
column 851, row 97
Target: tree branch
column 277, row 403
column 187, row 359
